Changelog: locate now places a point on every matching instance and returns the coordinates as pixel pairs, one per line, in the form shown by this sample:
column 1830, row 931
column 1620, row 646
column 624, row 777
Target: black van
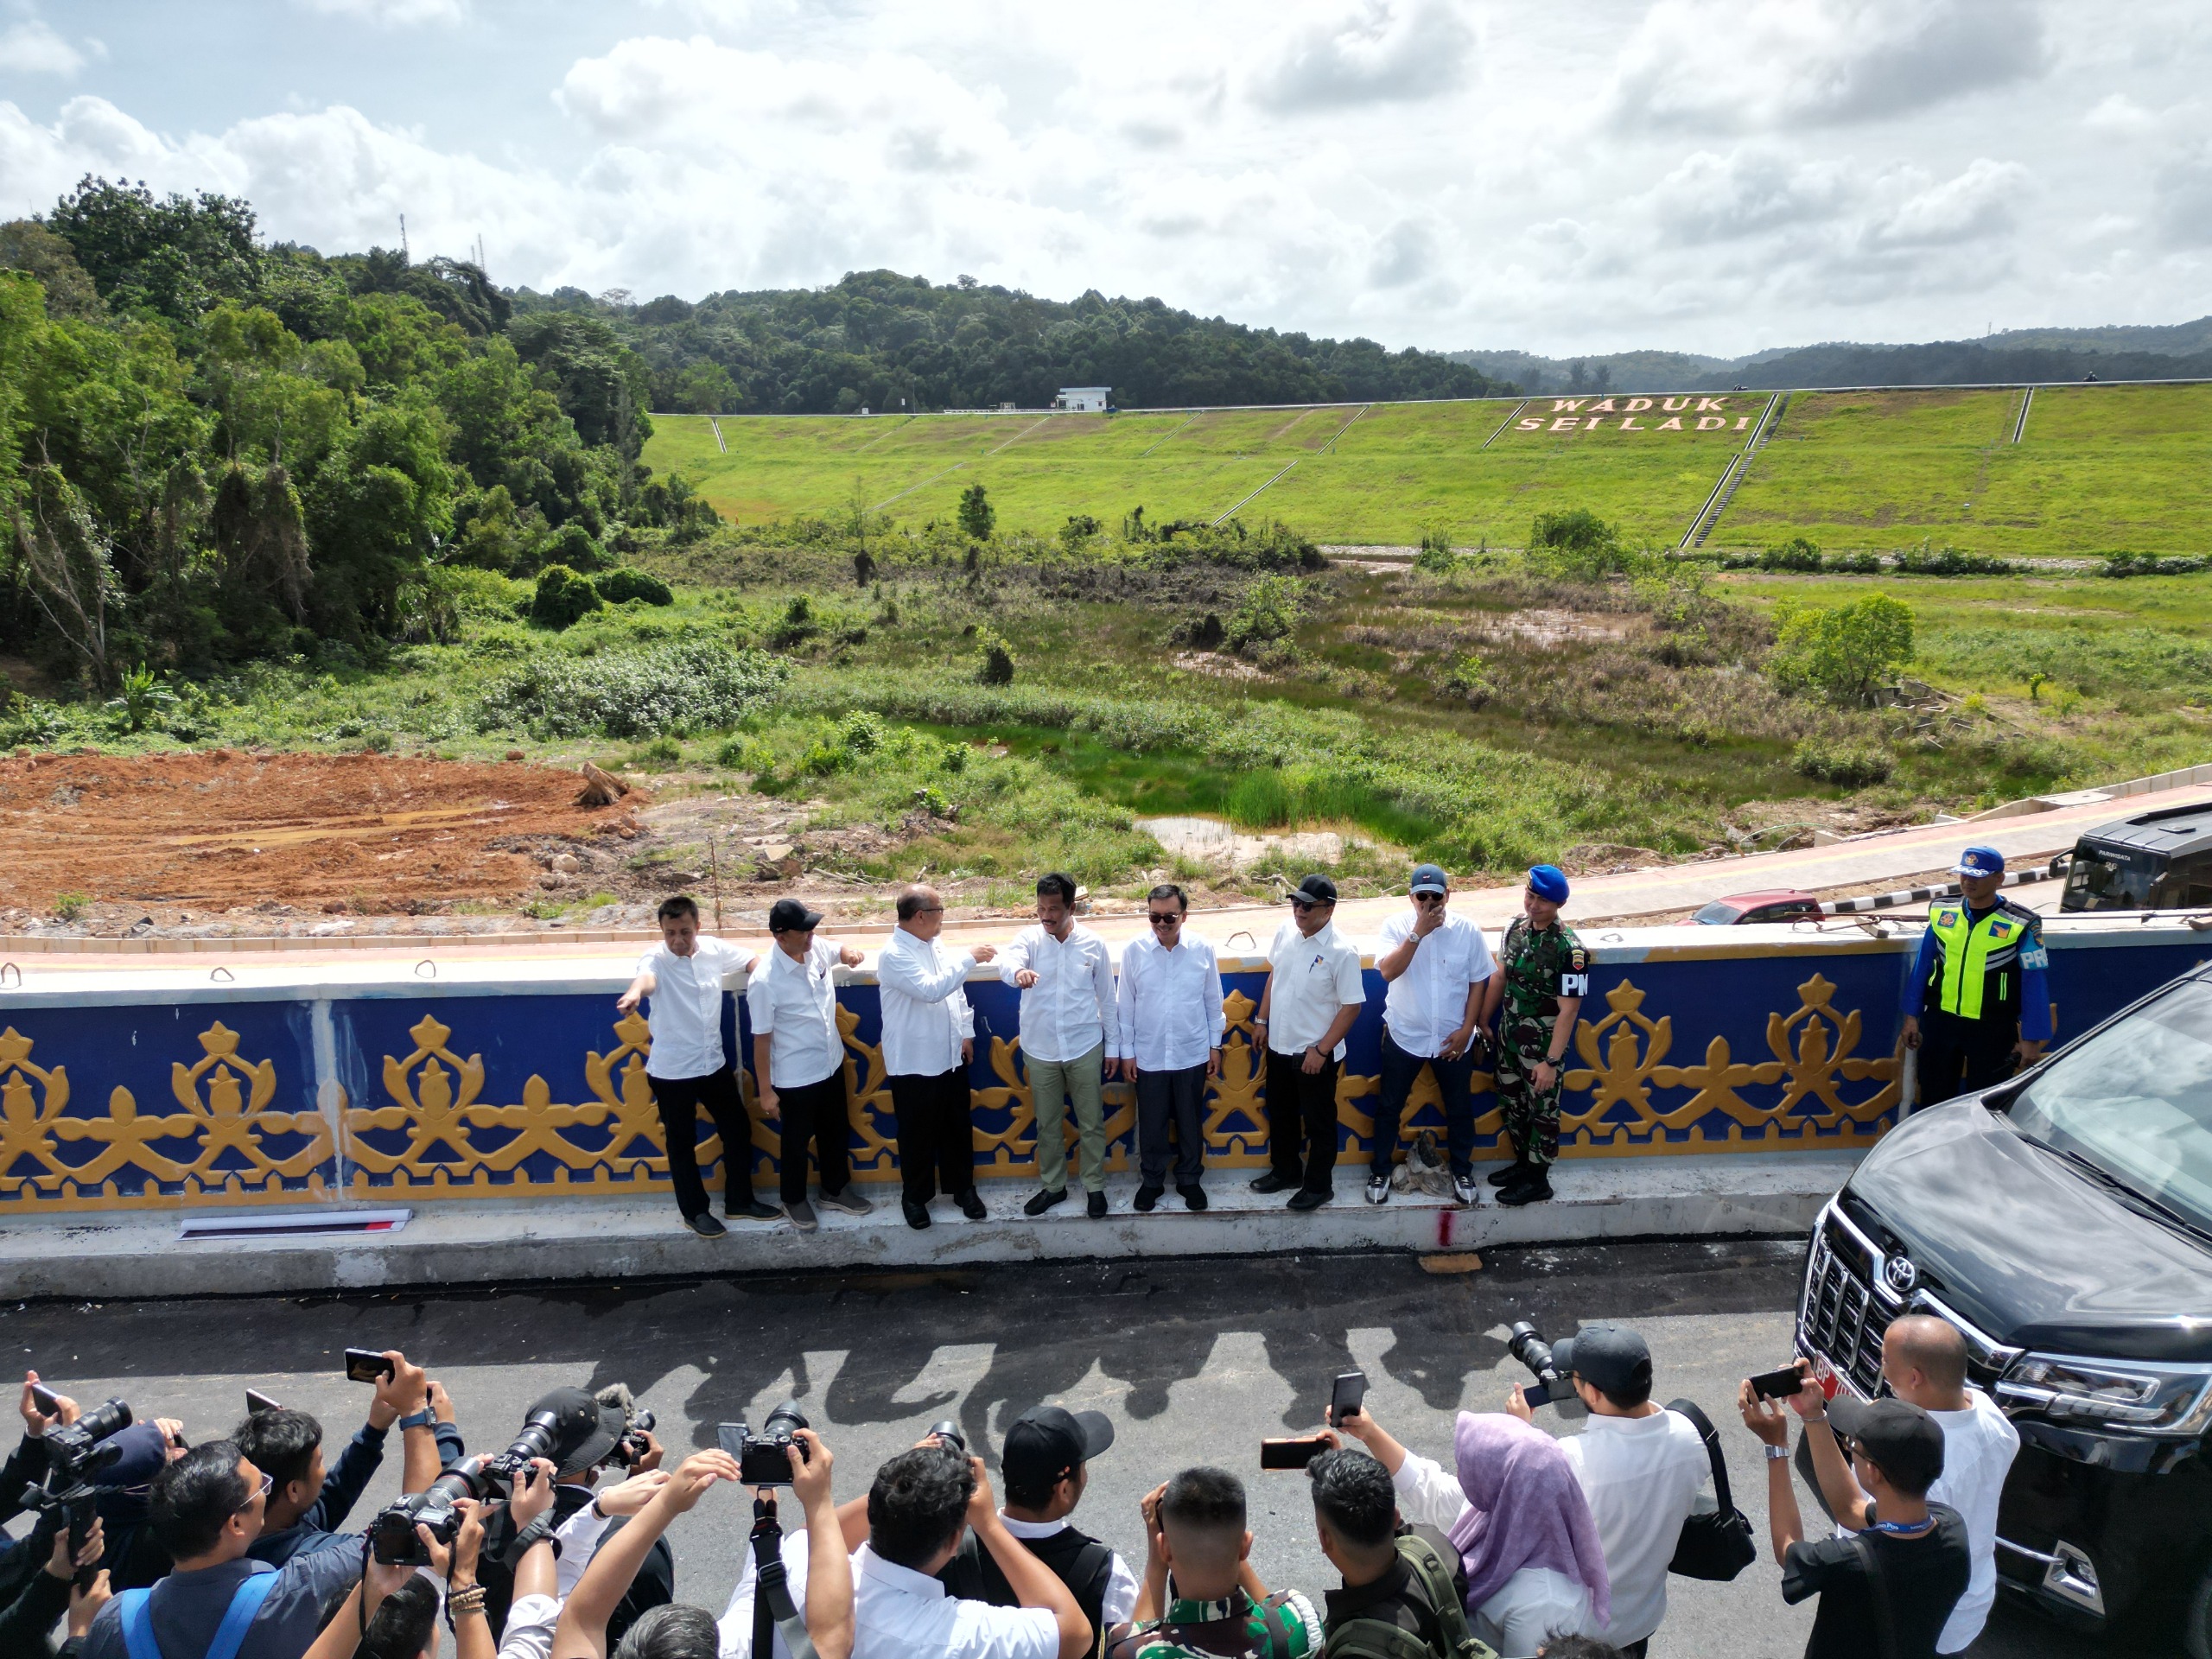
column 2160, row 860
column 2062, row 1221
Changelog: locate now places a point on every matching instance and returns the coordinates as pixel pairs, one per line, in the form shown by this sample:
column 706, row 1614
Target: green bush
column 563, row 598
column 977, row 516
column 572, row 545
column 1268, row 611
column 1845, row 652
column 1436, row 556
column 2150, row 564
column 993, row 659
column 1853, row 765
column 620, row 585
column 1795, row 553
column 1079, row 529
column 1576, row 544
column 678, row 689
column 1952, row 562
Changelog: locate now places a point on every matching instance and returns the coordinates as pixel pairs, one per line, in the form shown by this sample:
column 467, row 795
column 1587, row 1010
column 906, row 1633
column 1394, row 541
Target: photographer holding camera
column 75, row 1465
column 53, row 1591
column 1640, row 1466
column 205, row 1511
column 1534, row 1563
column 306, row 1505
column 816, row 1570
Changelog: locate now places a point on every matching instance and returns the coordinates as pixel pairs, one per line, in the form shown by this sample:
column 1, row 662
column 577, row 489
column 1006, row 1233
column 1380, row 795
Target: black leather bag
column 1718, row 1545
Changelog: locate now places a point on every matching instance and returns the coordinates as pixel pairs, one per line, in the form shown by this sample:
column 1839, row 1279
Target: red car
column 1781, row 905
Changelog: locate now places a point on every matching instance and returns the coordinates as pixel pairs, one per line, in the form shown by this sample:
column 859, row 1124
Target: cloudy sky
column 1714, row 175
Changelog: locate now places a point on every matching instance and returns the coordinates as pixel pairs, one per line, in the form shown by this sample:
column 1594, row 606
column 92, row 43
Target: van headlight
column 2152, row 1399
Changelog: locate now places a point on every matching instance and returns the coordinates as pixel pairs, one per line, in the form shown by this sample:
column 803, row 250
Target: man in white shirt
column 1924, row 1362
column 1640, row 1468
column 1315, row 991
column 1444, row 988
column 1172, row 1025
column 1069, row 1030
column 929, row 1039
column 688, row 1067
column 798, row 1059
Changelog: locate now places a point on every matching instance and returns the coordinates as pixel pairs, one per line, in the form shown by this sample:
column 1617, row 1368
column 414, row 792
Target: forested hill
column 877, row 338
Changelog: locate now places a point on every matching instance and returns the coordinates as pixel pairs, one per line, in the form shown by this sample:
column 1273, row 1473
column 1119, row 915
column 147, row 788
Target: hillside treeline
column 214, row 448
column 878, row 338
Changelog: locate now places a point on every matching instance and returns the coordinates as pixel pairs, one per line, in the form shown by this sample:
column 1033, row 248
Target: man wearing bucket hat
column 1546, row 976
column 1977, row 1003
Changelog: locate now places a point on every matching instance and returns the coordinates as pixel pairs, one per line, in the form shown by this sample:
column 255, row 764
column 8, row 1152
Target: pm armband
column 1575, row 984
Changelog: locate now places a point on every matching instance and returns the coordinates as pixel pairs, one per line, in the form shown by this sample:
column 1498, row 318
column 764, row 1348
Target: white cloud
column 32, row 47
column 394, row 14
column 2182, row 197
column 2120, row 114
column 1711, row 198
column 1978, row 203
column 1371, row 52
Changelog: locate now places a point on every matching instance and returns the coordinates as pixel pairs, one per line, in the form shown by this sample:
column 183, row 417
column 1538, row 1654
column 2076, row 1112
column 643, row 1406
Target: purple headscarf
column 1527, row 1511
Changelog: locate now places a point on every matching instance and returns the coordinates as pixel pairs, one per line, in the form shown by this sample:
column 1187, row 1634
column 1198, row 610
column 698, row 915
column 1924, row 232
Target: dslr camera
column 556, row 1429
column 75, row 1453
column 763, row 1459
column 1527, row 1344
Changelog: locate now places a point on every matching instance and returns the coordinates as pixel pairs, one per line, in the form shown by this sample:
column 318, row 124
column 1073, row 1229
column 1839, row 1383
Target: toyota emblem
column 1900, row 1275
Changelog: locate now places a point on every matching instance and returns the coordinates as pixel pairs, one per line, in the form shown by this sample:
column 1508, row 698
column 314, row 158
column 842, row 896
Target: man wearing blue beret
column 1546, row 976
column 1976, row 1004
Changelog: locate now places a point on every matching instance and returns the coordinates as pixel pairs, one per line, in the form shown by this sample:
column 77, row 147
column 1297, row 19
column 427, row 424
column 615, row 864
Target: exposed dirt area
column 222, row 831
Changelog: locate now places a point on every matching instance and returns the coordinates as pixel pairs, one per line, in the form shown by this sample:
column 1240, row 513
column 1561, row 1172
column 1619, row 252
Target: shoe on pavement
column 1147, row 1197
column 1308, row 1199
column 705, row 1225
column 971, row 1204
column 1045, row 1200
column 1097, row 1206
column 1535, row 1190
column 917, row 1215
column 1378, row 1189
column 1193, row 1196
column 1507, row 1176
column 1270, row 1182
column 800, row 1214
column 753, row 1210
column 846, row 1200
column 1465, row 1189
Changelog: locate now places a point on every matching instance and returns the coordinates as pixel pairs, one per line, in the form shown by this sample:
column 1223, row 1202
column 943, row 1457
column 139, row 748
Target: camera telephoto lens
column 948, row 1431
column 1526, row 1344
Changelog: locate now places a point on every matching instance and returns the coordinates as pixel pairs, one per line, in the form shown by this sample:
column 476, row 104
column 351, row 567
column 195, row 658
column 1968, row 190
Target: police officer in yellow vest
column 1977, row 1003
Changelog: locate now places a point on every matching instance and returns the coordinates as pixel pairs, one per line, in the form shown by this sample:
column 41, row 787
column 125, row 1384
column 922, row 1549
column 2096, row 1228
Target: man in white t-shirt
column 1640, row 1467
column 689, row 1066
column 1924, row 1362
column 1444, row 988
column 798, row 1059
column 1313, row 997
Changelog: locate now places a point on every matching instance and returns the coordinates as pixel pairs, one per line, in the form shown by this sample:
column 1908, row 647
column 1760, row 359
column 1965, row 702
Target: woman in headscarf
column 1517, row 1515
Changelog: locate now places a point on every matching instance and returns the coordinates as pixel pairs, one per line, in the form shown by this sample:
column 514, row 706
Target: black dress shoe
column 971, row 1204
column 1098, row 1206
column 1308, row 1199
column 753, row 1210
column 1509, row 1175
column 1194, row 1196
column 1535, row 1190
column 1146, row 1198
column 1271, row 1182
column 917, row 1215
column 1045, row 1200
column 705, row 1225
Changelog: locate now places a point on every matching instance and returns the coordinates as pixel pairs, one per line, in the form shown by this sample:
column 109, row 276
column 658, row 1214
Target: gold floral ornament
column 1004, row 1152
column 32, row 1100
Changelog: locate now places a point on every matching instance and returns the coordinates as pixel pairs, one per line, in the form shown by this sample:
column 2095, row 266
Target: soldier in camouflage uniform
column 1547, row 975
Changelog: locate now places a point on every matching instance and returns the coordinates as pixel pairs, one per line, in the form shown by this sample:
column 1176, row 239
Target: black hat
column 1048, row 1444
column 1611, row 1358
column 789, row 915
column 1317, row 889
column 588, row 1426
column 1904, row 1440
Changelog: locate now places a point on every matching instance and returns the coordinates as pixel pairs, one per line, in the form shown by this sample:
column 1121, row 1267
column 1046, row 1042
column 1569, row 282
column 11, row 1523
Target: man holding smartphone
column 306, row 1504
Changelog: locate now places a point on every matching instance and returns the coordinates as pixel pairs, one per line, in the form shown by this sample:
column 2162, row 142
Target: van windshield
column 2136, row 1100
column 2098, row 883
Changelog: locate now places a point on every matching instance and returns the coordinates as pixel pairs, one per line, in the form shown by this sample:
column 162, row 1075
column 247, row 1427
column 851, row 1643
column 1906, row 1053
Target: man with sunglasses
column 1069, row 1034
column 1444, row 988
column 1172, row 1024
column 1315, row 991
column 1547, row 977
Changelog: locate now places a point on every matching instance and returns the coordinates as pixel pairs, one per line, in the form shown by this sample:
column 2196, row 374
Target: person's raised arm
column 640, row 988
column 829, row 1566
column 1400, row 956
column 404, row 1393
column 582, row 1631
column 1845, row 1500
column 1371, row 1435
column 341, row 1631
column 1013, row 962
column 1034, row 1584
column 1152, row 1593
column 1772, row 1425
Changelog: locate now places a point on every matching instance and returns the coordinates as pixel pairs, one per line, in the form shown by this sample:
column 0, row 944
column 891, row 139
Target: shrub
column 572, row 545
column 1576, row 544
column 143, row 696
column 619, row 586
column 1845, row 652
column 1079, row 529
column 2150, row 564
column 977, row 516
column 1795, row 553
column 1952, row 562
column 861, row 731
column 993, row 659
column 563, row 599
column 29, row 723
column 677, row 688
column 1465, row 678
column 1436, row 556
column 69, row 906
column 1854, row 766
column 1268, row 611
column 1205, row 632
column 799, row 624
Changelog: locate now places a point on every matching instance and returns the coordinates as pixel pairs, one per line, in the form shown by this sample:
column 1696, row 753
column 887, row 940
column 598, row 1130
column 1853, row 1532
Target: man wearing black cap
column 1043, row 1467
column 1640, row 1468
column 798, row 1059
column 1888, row 1589
column 1444, row 988
column 1314, row 993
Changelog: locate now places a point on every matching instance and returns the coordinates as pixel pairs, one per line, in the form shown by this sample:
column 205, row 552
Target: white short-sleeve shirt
column 686, row 1008
column 794, row 1003
column 1978, row 1446
column 1427, row 1003
column 1309, row 980
column 899, row 1613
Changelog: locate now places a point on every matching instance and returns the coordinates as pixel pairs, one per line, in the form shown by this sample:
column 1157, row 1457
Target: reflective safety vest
column 1970, row 950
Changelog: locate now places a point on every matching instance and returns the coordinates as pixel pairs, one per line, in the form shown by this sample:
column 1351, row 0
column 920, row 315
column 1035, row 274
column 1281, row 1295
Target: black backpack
column 1718, row 1545
column 1377, row 1638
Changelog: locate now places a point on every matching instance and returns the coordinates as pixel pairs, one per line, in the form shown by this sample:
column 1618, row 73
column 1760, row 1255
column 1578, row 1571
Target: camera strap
column 772, row 1591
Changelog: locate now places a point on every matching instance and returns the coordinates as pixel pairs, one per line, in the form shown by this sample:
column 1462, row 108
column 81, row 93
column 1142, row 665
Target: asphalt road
column 1195, row 1361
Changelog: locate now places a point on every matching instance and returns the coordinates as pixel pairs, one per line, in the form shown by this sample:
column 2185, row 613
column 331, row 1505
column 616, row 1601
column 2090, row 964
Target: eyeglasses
column 931, row 910
column 267, row 1482
column 1311, row 904
column 1159, row 921
column 1428, row 898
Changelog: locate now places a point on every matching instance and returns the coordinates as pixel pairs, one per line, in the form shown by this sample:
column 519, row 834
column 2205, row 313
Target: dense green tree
column 376, row 514
column 175, row 257
column 29, row 246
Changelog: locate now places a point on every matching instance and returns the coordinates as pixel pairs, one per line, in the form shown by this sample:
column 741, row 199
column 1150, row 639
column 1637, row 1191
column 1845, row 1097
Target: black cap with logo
column 1611, row 1358
column 789, row 915
column 1047, row 1444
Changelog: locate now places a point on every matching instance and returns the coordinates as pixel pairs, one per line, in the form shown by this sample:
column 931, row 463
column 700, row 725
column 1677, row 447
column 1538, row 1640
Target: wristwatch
column 1776, row 1453
column 422, row 1419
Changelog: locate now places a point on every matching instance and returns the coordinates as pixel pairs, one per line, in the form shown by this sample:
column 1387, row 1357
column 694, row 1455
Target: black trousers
column 679, row 1100
column 1400, row 1070
column 1175, row 1099
column 1962, row 1057
column 1302, row 1122
column 937, row 1140
column 817, row 1113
